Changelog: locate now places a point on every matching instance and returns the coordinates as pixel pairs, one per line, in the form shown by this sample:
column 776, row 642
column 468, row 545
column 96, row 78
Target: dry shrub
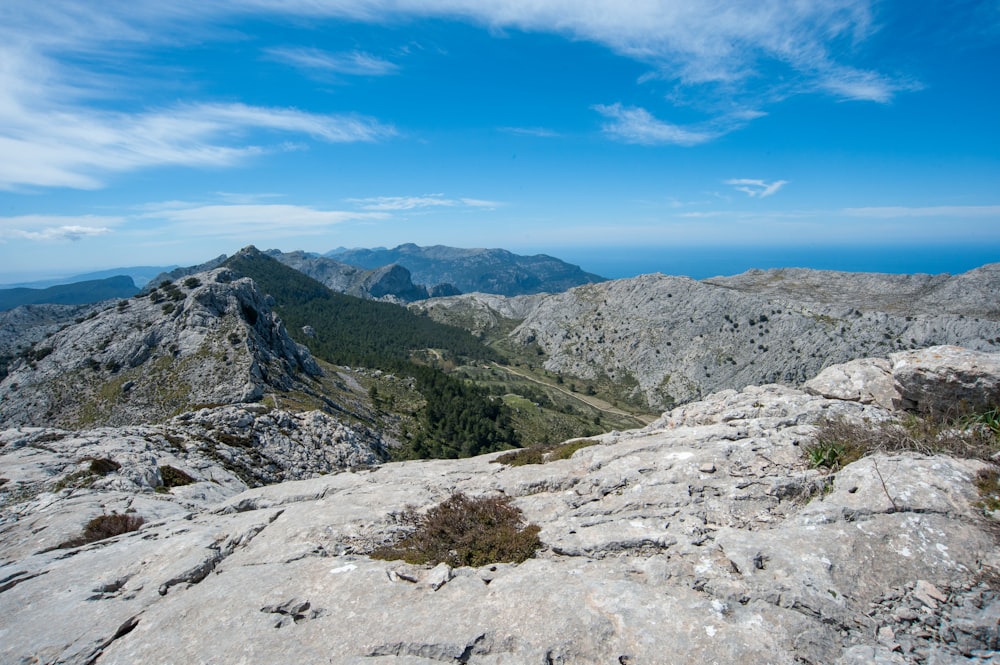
column 174, row 477
column 464, row 531
column 543, row 454
column 840, row 441
column 105, row 526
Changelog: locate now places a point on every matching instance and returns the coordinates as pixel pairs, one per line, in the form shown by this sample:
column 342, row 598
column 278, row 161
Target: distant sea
column 702, row 262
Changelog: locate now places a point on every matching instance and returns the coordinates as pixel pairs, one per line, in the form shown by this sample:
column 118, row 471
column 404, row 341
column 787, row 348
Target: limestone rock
column 645, row 557
column 867, row 380
column 945, row 379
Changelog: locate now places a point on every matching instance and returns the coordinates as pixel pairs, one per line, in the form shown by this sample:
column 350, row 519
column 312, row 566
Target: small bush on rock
column 174, row 477
column 464, row 531
column 105, row 526
column 543, row 454
column 840, row 442
column 988, row 483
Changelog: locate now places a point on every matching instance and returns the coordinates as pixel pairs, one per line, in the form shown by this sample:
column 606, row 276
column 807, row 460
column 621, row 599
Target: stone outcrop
column 704, row 537
column 220, row 452
column 209, row 339
column 670, row 340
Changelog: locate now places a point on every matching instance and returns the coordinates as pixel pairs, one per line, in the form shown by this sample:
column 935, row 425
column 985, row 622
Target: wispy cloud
column 55, row 227
column 756, row 188
column 242, row 221
column 888, row 212
column 637, row 125
column 723, row 42
column 50, row 145
column 395, row 203
column 540, row 132
column 355, row 63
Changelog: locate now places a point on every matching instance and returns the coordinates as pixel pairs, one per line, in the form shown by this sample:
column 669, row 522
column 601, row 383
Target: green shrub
column 464, row 531
column 192, row 282
column 105, row 526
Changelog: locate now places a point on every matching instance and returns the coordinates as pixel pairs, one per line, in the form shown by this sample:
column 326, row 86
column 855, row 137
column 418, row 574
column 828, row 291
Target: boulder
column 946, row 380
column 867, row 380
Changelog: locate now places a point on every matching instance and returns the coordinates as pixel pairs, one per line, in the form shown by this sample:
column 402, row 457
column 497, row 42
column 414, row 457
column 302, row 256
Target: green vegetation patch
column 464, row 531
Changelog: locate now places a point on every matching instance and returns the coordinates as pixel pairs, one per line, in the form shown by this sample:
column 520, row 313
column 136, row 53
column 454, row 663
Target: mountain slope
column 669, row 340
column 77, row 293
column 474, row 270
column 213, row 339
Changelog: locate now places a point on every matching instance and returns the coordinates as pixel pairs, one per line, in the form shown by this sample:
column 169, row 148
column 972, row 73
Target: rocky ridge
column 210, row 339
column 392, row 282
column 704, row 537
column 670, row 340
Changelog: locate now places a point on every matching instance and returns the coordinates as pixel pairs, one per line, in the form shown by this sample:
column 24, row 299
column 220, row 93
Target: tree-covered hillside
column 458, row 419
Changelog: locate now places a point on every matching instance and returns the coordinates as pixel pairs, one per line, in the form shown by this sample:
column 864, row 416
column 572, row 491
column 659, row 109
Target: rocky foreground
column 702, row 538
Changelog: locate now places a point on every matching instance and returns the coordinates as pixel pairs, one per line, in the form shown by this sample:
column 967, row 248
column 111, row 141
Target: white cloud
column 355, row 63
column 637, row 125
column 756, row 188
column 55, row 227
column 393, row 203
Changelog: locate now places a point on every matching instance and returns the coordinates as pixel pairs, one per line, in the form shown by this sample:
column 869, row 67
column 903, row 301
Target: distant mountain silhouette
column 77, row 293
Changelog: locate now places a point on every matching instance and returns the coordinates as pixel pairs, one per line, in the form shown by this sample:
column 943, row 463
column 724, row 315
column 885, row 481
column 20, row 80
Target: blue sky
column 159, row 133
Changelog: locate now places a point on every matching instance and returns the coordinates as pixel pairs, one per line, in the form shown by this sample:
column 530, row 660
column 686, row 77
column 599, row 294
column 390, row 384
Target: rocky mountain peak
column 206, row 339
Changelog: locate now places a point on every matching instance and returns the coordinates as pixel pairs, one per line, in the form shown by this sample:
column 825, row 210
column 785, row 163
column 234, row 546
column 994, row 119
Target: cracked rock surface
column 701, row 538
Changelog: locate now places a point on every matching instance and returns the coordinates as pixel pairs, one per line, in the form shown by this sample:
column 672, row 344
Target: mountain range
column 405, row 274
column 474, row 270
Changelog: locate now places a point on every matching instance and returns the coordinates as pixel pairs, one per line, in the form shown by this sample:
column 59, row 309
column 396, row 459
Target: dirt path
column 593, row 402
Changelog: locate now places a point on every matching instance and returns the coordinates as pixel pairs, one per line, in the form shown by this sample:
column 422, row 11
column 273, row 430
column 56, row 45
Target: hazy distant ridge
column 474, row 270
column 78, row 293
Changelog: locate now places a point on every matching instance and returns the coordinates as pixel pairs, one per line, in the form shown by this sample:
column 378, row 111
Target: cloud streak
column 890, row 212
column 241, row 221
column 397, row 203
column 756, row 188
column 637, row 125
column 315, row 60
